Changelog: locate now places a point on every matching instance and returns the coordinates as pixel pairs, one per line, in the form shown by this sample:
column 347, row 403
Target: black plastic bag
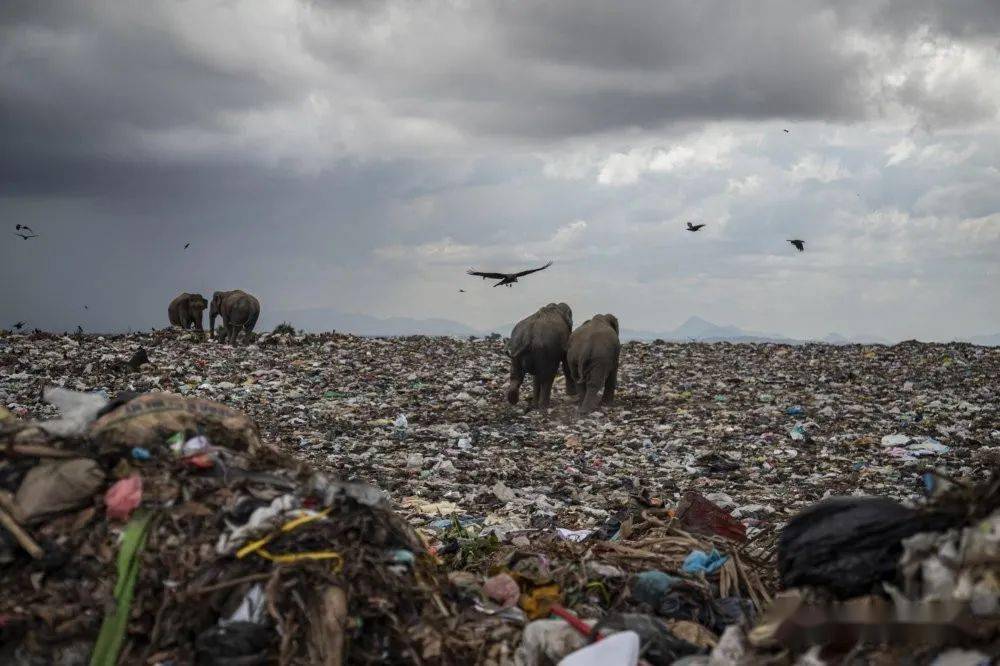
column 848, row 545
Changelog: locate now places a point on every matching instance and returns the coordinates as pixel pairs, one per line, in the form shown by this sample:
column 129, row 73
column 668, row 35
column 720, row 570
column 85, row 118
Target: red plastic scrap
column 123, row 497
column 698, row 514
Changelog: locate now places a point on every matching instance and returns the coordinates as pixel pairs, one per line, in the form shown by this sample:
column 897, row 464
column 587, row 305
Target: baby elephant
column 592, row 357
column 239, row 311
column 186, row 311
column 537, row 346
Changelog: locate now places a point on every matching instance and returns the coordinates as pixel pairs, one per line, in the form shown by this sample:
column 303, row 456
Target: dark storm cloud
column 79, row 83
column 558, row 69
column 74, row 87
column 360, row 153
column 956, row 18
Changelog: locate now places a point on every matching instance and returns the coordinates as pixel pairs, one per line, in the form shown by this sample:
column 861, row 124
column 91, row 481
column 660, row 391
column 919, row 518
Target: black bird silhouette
column 800, row 245
column 86, row 307
column 19, row 325
column 694, row 227
column 461, row 291
column 187, row 245
column 786, row 132
column 18, row 227
column 506, row 278
column 26, row 236
column 79, row 329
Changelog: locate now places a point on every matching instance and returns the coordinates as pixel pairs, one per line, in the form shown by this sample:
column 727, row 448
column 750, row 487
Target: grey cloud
column 124, row 135
column 956, row 18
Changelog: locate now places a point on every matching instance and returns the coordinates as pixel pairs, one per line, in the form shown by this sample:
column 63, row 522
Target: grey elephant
column 187, row 310
column 239, row 311
column 537, row 346
column 592, row 357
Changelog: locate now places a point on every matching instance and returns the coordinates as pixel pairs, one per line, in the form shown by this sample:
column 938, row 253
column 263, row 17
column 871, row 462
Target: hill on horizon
column 693, row 328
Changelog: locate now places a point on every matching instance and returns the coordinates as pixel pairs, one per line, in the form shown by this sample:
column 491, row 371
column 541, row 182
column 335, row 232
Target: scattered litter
column 621, row 649
column 675, row 514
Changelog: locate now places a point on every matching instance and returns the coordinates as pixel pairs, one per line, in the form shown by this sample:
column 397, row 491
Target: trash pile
column 868, row 579
column 159, row 529
column 182, row 509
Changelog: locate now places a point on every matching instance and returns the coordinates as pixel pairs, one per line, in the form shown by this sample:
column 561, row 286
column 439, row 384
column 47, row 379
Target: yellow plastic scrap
column 538, row 601
column 290, row 558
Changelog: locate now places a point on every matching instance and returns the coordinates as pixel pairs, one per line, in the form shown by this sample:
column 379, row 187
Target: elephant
column 537, row 346
column 592, row 356
column 187, row 310
column 239, row 311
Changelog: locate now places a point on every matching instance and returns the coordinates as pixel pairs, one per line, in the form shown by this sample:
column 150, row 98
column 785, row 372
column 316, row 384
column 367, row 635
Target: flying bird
column 787, row 132
column 26, row 236
column 187, row 245
column 461, row 291
column 506, row 278
column 18, row 227
column 800, row 245
column 694, row 227
column 19, row 325
column 86, row 307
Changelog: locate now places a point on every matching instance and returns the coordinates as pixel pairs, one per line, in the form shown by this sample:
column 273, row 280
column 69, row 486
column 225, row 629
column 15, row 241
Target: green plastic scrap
column 109, row 641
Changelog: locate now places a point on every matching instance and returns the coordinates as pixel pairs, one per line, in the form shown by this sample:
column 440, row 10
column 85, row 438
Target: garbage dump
column 336, row 499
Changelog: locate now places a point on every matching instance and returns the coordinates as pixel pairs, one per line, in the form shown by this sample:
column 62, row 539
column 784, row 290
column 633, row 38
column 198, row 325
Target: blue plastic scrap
column 140, row 453
column 700, row 561
column 652, row 586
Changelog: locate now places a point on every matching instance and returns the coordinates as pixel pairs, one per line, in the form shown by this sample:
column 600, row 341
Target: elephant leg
column 609, row 388
column 516, row 379
column 571, row 389
column 590, row 399
column 594, row 384
column 536, row 390
column 546, row 393
column 231, row 334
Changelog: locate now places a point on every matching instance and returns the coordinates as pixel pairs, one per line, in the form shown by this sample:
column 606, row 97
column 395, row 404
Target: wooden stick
column 22, row 537
column 252, row 578
column 41, row 451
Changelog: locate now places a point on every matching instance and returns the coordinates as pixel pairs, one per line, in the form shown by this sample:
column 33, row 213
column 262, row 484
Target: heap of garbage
column 382, row 512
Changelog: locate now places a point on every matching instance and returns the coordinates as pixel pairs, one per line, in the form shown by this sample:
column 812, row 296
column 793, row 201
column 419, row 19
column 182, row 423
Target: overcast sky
column 362, row 155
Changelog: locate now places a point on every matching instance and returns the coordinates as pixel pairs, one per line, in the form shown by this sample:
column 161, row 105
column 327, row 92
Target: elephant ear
column 567, row 314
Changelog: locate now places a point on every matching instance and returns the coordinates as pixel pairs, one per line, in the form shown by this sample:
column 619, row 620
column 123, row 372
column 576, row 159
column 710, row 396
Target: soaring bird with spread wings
column 507, row 278
column 800, row 245
column 694, row 227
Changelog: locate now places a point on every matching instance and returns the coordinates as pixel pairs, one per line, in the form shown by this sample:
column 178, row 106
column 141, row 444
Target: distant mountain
column 702, row 330
column 865, row 339
column 986, row 340
column 695, row 328
column 838, row 339
column 327, row 319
